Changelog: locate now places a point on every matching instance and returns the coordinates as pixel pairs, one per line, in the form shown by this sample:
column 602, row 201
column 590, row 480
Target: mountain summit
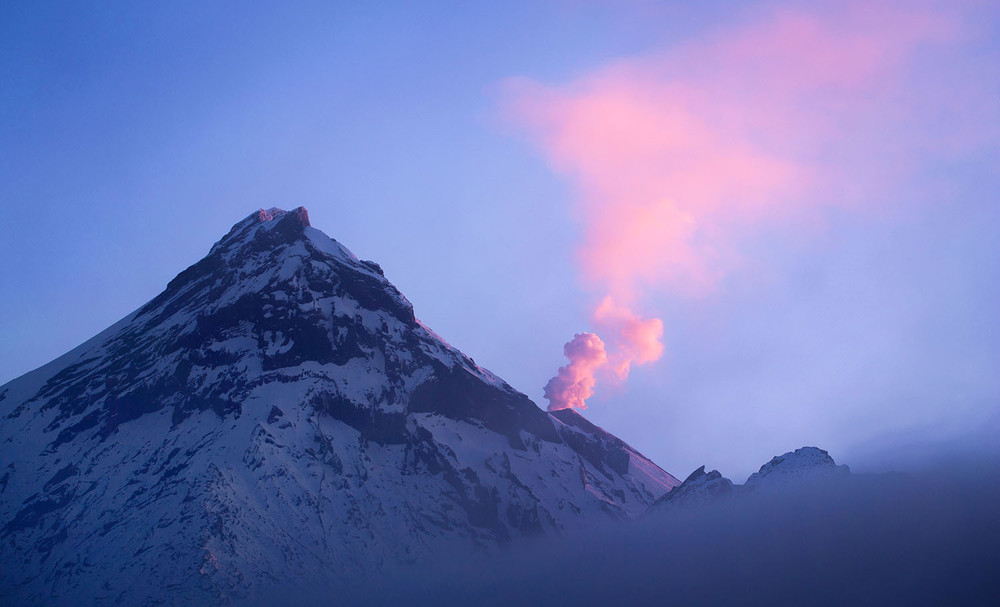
column 278, row 414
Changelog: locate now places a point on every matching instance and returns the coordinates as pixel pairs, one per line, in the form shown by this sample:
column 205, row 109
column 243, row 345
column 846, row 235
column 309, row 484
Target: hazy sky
column 804, row 195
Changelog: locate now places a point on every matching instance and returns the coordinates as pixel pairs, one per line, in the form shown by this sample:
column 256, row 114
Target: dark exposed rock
column 275, row 414
column 375, row 424
column 457, row 394
column 602, row 449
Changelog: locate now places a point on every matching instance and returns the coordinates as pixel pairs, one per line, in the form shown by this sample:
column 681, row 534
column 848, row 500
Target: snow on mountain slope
column 806, row 464
column 278, row 414
column 698, row 489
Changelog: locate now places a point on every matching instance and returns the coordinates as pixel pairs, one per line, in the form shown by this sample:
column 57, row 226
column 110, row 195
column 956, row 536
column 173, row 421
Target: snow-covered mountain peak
column 803, row 464
column 699, row 488
column 300, row 213
column 271, row 228
column 278, row 412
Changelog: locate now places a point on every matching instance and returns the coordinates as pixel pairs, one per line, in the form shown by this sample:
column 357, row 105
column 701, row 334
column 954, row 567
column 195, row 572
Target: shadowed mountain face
column 278, row 413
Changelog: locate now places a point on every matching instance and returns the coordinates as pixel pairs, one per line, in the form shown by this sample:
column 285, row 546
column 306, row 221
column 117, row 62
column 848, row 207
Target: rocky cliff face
column 279, row 414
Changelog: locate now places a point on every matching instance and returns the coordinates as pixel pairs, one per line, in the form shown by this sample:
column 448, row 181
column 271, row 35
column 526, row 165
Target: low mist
column 926, row 537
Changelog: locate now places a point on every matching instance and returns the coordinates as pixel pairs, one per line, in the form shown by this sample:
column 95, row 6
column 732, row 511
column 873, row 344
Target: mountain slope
column 279, row 414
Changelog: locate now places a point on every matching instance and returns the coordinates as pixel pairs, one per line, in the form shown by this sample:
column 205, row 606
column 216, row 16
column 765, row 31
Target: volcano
column 278, row 415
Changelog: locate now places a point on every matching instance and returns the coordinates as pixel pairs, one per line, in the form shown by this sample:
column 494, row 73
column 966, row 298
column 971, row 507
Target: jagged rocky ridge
column 804, row 467
column 278, row 414
column 698, row 488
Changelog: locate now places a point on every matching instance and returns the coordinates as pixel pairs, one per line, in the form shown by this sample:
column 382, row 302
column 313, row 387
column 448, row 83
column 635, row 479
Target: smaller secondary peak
column 802, row 464
column 273, row 213
column 700, row 488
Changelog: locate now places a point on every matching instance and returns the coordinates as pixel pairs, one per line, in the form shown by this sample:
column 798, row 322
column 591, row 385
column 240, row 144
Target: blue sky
column 132, row 137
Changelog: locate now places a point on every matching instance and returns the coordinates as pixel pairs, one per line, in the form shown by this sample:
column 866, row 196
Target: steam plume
column 636, row 339
column 678, row 155
column 574, row 383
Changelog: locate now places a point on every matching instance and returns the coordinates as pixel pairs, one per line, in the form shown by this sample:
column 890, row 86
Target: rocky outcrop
column 804, row 465
column 699, row 488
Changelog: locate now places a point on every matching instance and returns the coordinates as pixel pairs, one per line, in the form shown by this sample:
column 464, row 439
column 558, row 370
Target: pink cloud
column 675, row 155
column 636, row 339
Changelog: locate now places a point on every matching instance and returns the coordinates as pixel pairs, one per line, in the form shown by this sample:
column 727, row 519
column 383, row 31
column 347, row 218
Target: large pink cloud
column 678, row 154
